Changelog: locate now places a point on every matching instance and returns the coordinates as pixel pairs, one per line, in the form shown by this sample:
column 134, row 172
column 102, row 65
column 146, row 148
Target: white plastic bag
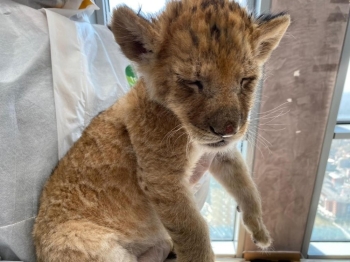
column 88, row 74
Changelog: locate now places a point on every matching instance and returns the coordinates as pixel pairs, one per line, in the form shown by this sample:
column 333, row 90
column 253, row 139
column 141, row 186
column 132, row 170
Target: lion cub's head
column 202, row 59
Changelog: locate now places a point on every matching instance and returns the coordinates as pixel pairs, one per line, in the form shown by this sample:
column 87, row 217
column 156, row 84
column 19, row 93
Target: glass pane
column 344, row 110
column 333, row 214
column 219, row 211
column 147, row 7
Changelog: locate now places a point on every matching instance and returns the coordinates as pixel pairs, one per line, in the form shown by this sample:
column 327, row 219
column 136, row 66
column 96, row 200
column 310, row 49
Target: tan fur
column 122, row 192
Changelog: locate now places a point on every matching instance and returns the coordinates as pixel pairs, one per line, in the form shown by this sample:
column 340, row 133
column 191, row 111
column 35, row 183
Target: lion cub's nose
column 227, row 130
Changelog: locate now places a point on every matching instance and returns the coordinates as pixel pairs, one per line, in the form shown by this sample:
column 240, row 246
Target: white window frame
column 333, row 250
column 102, row 15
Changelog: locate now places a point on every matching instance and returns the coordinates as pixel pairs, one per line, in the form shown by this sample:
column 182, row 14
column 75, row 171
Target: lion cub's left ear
column 269, row 33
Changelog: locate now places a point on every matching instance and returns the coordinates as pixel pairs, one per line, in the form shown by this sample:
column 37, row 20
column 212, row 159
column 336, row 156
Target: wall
column 301, row 72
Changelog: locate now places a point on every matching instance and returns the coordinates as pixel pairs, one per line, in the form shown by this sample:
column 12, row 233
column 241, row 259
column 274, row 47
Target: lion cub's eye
column 191, row 84
column 198, row 84
column 246, row 81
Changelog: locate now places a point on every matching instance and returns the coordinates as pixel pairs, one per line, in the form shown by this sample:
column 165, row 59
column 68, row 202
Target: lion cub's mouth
column 218, row 144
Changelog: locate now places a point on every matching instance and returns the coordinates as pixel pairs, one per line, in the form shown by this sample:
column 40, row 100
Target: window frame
column 102, row 15
column 332, row 132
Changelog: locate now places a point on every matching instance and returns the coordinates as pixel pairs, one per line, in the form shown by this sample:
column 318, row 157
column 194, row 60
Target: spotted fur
column 122, row 192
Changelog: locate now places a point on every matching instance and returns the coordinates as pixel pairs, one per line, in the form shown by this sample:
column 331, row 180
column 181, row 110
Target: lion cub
column 122, row 192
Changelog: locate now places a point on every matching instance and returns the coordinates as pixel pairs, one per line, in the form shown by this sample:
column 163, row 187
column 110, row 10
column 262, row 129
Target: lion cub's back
column 96, row 182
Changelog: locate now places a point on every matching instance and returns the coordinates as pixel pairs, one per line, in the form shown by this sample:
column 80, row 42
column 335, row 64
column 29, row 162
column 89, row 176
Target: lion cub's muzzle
column 224, row 124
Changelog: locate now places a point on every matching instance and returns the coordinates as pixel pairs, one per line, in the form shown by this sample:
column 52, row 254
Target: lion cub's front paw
column 262, row 237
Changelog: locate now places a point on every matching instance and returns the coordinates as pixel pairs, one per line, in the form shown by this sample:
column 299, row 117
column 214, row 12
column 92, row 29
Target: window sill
column 342, row 132
column 229, row 259
column 224, row 249
column 336, row 250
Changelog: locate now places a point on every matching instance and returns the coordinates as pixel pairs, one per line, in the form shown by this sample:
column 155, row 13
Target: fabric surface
column 37, row 4
column 28, row 137
column 88, row 74
column 86, row 78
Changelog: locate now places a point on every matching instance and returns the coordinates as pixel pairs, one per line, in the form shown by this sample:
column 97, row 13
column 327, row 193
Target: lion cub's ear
column 269, row 33
column 134, row 33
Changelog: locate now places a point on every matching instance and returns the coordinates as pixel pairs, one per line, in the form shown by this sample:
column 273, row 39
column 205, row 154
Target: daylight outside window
column 332, row 223
column 344, row 110
column 333, row 214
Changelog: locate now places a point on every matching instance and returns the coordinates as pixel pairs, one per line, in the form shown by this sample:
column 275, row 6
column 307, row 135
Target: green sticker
column 130, row 76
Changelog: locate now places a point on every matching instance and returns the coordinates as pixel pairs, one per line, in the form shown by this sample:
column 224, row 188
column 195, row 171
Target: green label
column 130, row 76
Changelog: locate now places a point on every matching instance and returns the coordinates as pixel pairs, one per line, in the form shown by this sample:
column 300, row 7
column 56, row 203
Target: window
column 344, row 109
column 145, row 6
column 149, row 6
column 330, row 233
column 219, row 211
column 332, row 221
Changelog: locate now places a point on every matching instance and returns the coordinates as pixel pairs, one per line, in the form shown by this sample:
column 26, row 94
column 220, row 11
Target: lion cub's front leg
column 174, row 203
column 231, row 171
